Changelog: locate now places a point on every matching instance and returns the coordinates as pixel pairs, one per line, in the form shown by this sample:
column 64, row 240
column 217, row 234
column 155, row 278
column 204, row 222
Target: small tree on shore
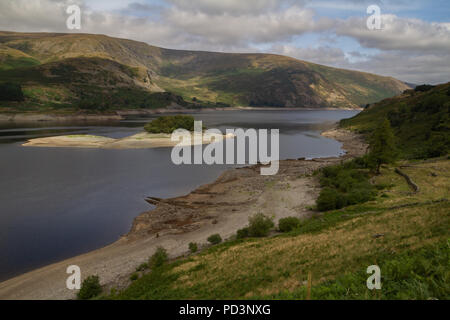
column 90, row 288
column 382, row 146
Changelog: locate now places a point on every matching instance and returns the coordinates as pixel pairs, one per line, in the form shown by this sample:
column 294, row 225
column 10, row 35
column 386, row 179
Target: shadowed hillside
column 56, row 65
column 420, row 119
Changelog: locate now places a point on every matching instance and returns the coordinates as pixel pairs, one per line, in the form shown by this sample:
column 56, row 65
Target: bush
column 243, row 233
column 193, row 247
column 159, row 258
column 288, row 224
column 11, row 92
column 215, row 239
column 134, row 277
column 327, row 200
column 259, row 225
column 424, row 88
column 168, row 124
column 142, row 267
column 90, row 288
column 345, row 185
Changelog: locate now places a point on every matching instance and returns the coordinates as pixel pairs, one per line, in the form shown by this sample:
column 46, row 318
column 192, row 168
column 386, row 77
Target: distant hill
column 420, row 119
column 60, row 71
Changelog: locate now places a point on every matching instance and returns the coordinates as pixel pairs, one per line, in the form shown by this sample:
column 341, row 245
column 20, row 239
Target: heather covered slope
column 107, row 66
column 420, row 119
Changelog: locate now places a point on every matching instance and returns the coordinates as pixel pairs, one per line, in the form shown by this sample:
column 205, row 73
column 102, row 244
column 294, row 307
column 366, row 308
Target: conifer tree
column 382, row 146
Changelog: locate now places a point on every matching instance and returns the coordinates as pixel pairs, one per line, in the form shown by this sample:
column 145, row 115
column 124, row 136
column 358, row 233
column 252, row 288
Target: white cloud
column 409, row 49
column 232, row 7
column 249, row 28
column 398, row 34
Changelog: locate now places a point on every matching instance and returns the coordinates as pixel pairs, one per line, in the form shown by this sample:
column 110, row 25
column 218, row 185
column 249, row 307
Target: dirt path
column 221, row 207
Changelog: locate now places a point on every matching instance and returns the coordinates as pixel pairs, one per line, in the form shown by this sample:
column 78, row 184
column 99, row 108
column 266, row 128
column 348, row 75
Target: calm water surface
column 59, row 202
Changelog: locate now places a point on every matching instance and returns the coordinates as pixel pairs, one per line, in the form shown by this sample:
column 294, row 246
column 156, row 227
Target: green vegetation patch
column 168, row 124
column 90, row 288
column 344, row 185
column 11, row 92
column 419, row 119
column 418, row 275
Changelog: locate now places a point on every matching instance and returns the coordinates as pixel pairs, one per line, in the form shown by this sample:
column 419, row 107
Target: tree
column 11, row 92
column 259, row 225
column 90, row 288
column 382, row 146
column 159, row 258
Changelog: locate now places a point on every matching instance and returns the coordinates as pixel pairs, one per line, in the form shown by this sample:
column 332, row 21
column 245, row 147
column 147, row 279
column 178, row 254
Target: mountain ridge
column 201, row 78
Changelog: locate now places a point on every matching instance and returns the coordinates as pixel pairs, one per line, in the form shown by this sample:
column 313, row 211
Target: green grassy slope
column 405, row 234
column 271, row 80
column 420, row 121
column 90, row 84
column 202, row 78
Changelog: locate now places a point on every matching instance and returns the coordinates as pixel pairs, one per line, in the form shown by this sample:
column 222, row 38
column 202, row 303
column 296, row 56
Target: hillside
column 63, row 71
column 420, row 119
column 402, row 232
column 402, row 227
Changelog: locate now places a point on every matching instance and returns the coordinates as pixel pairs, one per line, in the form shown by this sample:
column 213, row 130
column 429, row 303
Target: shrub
column 243, row 233
column 288, row 224
column 424, row 88
column 259, row 225
column 90, row 288
column 344, row 185
column 168, row 124
column 134, row 277
column 193, row 247
column 215, row 239
column 159, row 258
column 328, row 199
column 11, row 92
column 142, row 267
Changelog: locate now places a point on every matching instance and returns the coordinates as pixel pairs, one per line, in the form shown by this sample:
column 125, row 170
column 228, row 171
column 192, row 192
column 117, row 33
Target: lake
column 56, row 203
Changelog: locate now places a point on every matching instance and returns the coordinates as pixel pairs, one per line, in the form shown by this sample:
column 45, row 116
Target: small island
column 157, row 134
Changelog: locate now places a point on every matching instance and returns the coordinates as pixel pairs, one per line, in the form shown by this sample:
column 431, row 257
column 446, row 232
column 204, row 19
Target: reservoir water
column 56, row 203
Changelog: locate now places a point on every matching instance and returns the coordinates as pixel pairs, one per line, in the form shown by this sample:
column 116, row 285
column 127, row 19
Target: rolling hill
column 420, row 119
column 97, row 72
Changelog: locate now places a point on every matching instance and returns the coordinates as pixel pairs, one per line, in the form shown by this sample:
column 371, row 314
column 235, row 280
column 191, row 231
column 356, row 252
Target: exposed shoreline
column 119, row 115
column 220, row 207
column 141, row 140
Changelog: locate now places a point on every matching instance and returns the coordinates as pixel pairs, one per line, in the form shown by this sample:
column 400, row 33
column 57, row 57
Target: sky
column 412, row 44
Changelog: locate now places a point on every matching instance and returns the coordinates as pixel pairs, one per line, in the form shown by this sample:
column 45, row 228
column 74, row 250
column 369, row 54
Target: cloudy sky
column 413, row 44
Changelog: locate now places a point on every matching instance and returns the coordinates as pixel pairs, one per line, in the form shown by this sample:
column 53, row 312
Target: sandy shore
column 138, row 141
column 221, row 207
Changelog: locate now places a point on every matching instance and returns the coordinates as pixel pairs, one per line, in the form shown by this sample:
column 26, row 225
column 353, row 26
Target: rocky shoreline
column 221, row 207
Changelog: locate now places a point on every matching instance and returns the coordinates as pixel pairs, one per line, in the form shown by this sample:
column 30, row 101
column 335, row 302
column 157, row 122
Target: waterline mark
column 229, row 149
